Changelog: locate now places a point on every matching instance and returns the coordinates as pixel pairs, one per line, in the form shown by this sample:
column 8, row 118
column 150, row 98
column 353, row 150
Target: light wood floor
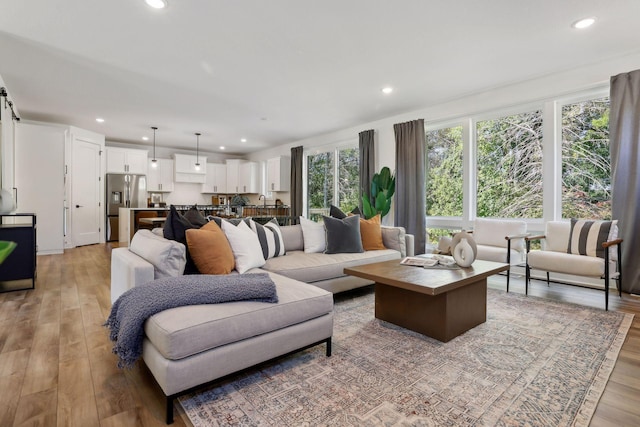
column 57, row 369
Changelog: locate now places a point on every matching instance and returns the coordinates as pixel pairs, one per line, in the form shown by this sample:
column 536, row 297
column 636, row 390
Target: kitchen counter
column 127, row 216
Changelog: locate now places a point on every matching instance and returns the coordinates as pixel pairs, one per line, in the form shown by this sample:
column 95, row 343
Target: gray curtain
column 296, row 184
column 367, row 163
column 624, row 136
column 410, row 201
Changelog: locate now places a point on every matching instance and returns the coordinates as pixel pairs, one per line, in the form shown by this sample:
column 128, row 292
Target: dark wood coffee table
column 438, row 303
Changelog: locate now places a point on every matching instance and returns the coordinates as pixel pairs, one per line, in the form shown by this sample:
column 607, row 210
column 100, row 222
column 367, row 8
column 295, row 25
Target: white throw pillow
column 314, row 236
column 270, row 238
column 167, row 256
column 245, row 245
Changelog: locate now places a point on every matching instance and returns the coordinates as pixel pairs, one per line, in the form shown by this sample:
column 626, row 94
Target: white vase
column 463, row 253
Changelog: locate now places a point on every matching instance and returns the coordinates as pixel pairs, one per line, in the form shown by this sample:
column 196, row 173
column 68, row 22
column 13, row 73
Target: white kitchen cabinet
column 216, row 179
column 248, row 178
column 242, row 176
column 278, row 173
column 160, row 178
column 126, row 160
column 233, row 172
column 185, row 168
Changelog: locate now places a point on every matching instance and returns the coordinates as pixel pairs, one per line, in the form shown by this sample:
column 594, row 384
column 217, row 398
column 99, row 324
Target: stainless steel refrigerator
column 123, row 191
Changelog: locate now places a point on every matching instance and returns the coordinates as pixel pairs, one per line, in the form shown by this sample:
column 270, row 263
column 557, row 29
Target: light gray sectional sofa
column 189, row 346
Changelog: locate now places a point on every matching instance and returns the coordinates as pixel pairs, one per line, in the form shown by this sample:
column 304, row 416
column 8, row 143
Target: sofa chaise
column 179, row 348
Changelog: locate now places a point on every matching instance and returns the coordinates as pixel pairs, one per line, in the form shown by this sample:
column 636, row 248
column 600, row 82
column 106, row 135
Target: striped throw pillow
column 587, row 237
column 270, row 238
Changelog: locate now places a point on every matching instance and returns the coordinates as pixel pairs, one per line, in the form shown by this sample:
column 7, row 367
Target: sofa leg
column 328, row 347
column 169, row 410
column 508, row 277
column 527, row 278
column 548, row 281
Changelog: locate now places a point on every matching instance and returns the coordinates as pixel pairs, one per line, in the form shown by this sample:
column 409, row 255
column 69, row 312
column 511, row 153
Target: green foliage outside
column 444, row 172
column 509, row 166
column 321, row 184
column 348, row 178
column 509, row 159
column 586, row 161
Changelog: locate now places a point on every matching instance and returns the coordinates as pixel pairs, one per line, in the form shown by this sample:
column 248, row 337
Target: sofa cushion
column 210, row 249
column 556, row 236
column 563, row 262
column 184, row 331
column 395, row 238
column 175, row 228
column 167, row 256
column 492, row 232
column 313, row 234
column 587, row 237
column 270, row 238
column 343, row 235
column 245, row 245
column 293, row 238
column 371, row 234
column 317, row 267
column 496, row 254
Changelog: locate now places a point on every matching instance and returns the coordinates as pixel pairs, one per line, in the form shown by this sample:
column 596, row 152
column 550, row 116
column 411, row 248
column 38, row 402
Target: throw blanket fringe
column 135, row 306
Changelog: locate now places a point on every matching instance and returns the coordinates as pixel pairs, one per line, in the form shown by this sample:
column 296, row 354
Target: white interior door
column 85, row 204
column 39, row 181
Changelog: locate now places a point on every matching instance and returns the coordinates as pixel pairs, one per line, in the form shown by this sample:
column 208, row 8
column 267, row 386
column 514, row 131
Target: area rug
column 534, row 362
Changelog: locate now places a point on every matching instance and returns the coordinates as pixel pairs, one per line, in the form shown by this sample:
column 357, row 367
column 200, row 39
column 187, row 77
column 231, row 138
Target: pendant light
column 197, row 151
column 154, row 161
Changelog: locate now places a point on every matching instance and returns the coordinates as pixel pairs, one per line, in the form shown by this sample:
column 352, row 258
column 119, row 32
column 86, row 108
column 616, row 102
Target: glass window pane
column 320, row 171
column 444, row 172
column 509, row 181
column 348, row 178
column 586, row 161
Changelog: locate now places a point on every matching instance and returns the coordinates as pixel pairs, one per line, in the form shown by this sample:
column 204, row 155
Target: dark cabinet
column 18, row 270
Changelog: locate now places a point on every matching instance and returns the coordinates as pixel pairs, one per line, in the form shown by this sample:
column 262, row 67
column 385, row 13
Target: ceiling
column 275, row 72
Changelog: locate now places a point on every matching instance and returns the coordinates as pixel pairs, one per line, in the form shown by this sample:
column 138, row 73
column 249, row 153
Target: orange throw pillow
column 371, row 234
column 210, row 249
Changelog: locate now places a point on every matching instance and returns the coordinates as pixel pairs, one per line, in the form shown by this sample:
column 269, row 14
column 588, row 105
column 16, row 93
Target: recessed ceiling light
column 145, row 138
column 387, row 90
column 100, row 120
column 243, row 140
column 156, row 4
column 222, row 147
column 584, row 23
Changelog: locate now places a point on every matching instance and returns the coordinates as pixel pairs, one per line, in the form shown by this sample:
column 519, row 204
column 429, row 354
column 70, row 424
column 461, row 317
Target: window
column 586, row 161
column 509, row 166
column 331, row 182
column 444, row 172
column 348, row 179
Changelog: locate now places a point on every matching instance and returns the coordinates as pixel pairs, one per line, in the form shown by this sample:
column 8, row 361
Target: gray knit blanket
column 135, row 306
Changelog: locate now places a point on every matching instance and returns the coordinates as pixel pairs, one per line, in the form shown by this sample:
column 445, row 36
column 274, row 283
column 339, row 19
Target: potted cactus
column 383, row 186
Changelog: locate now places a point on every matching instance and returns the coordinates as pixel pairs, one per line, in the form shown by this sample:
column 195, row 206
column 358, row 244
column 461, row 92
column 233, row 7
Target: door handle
column 78, row 206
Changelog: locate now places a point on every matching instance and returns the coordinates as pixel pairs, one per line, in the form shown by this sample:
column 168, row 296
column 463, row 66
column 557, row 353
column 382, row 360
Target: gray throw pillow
column 343, row 235
column 194, row 216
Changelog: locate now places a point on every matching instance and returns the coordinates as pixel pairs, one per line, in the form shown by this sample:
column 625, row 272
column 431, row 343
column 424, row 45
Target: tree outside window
column 586, row 161
column 509, row 179
column 348, row 179
column 332, row 183
column 443, row 176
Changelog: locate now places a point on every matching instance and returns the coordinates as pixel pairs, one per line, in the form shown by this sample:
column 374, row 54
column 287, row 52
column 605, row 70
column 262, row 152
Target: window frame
column 335, row 149
column 551, row 161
